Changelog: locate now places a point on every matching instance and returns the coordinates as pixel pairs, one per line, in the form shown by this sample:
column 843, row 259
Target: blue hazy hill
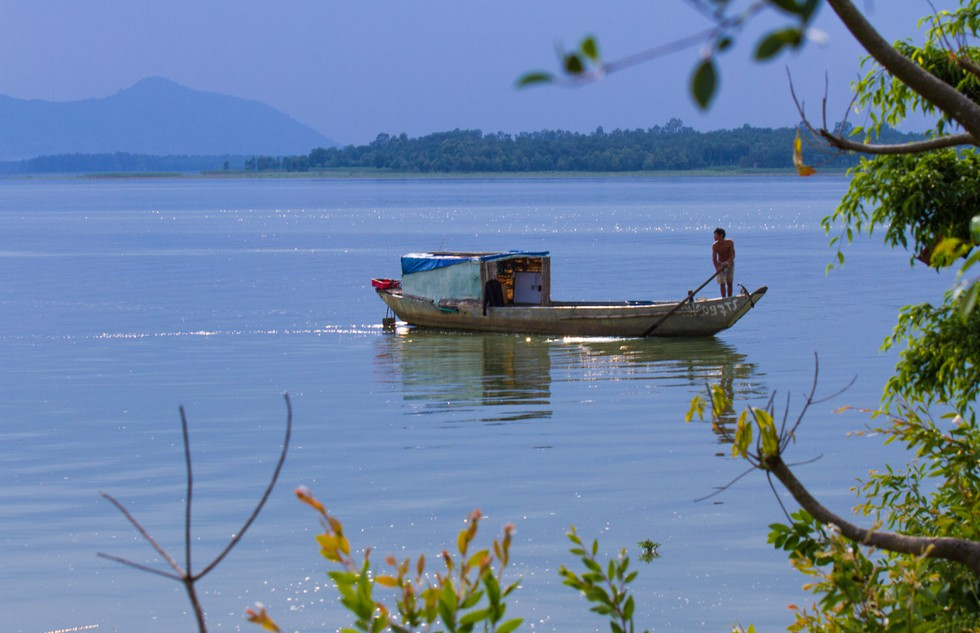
column 155, row 117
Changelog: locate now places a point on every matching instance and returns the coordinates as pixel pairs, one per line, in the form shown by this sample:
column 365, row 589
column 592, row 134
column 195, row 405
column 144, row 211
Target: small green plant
column 606, row 587
column 650, row 550
column 468, row 593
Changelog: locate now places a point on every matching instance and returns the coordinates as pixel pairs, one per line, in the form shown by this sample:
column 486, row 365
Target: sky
column 354, row 69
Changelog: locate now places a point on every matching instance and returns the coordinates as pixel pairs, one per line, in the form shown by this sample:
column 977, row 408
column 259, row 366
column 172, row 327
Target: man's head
column 719, row 233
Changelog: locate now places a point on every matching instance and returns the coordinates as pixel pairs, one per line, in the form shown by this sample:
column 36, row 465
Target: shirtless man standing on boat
column 723, row 257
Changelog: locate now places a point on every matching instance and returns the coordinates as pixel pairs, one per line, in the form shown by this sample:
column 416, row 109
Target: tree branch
column 967, row 64
column 916, row 147
column 186, row 577
column 939, row 93
column 190, row 490
column 955, row 550
column 180, row 573
column 265, row 496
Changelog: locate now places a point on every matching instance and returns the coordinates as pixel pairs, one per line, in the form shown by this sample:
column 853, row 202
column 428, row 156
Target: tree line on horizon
column 671, row 147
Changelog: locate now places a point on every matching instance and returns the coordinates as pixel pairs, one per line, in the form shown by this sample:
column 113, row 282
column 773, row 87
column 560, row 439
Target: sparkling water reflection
column 120, row 300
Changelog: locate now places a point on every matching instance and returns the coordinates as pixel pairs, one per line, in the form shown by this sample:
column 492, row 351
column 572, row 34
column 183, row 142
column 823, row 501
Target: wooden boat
column 511, row 292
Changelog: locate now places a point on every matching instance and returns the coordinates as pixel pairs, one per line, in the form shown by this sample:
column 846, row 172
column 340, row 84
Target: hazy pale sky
column 353, row 69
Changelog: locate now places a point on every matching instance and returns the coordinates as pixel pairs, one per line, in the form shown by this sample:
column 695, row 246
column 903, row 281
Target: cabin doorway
column 527, row 288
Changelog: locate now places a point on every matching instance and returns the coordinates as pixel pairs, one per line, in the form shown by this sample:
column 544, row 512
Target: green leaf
column 806, row 12
column 509, row 625
column 447, row 615
column 704, row 83
column 788, row 6
column 743, row 436
column 628, row 608
column 474, row 617
column 697, row 408
column 591, row 564
column 537, row 77
column 471, row 600
column 968, row 301
column 573, row 64
column 448, row 596
column 493, row 589
column 590, row 48
column 773, row 43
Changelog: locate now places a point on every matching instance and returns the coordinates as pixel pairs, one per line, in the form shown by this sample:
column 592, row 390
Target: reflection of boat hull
column 702, row 317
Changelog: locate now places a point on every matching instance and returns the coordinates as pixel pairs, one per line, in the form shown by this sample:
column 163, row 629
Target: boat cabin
column 496, row 279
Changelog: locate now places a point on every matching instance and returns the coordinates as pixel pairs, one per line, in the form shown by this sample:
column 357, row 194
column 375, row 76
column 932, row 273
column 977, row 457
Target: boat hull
column 702, row 317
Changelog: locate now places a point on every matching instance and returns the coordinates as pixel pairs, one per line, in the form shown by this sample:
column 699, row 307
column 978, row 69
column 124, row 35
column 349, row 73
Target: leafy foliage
column 605, row 586
column 941, row 360
column 926, row 197
column 938, row 495
column 889, row 102
column 468, row 593
column 925, row 202
column 859, row 587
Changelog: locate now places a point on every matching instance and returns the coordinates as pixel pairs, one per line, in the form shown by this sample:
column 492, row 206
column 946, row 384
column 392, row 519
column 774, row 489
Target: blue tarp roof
column 418, row 262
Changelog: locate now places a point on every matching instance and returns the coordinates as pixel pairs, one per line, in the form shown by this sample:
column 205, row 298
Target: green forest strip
column 672, row 148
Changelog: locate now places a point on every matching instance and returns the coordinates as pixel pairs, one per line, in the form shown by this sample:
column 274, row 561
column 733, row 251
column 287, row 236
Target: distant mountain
column 154, row 117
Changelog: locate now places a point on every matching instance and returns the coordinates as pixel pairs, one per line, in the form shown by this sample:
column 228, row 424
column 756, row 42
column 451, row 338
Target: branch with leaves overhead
column 585, row 65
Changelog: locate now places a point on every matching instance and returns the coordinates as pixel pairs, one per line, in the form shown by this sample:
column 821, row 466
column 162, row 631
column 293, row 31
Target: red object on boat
column 384, row 284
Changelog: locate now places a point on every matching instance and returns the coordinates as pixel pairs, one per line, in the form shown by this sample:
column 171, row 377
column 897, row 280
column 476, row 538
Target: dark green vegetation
column 120, row 163
column 672, row 147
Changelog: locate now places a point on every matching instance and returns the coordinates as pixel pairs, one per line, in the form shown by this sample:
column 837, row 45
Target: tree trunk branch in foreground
column 956, row 550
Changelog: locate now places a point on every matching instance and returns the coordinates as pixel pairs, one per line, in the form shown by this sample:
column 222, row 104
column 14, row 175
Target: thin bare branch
column 725, row 487
column 146, row 535
column 146, row 568
column 722, row 24
column 190, row 490
column 186, row 578
column 265, row 496
column 775, row 493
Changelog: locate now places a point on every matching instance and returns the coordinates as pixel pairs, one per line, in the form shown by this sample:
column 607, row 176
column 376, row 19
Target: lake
column 121, row 300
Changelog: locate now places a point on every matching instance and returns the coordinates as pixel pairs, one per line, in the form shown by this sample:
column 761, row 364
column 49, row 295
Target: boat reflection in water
column 504, row 378
column 478, row 377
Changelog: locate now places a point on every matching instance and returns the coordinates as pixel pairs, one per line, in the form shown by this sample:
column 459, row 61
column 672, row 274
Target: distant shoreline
column 364, row 174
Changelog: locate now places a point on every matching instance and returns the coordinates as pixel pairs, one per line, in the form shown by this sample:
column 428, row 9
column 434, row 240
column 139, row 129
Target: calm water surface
column 122, row 300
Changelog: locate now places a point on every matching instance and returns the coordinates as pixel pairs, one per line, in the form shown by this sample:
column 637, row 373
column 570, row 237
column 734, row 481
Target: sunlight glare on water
column 122, row 300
